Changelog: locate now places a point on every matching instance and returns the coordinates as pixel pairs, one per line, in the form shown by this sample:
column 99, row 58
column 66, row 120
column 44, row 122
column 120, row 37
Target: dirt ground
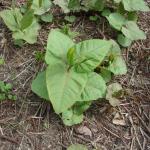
column 31, row 124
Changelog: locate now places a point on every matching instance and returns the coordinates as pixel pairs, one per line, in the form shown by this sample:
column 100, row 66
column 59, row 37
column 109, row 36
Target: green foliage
column 77, row 147
column 122, row 17
column 77, row 5
column 129, row 29
column 94, row 18
column 69, row 81
column 47, row 17
column 39, row 55
column 2, row 61
column 70, row 19
column 22, row 27
column 5, row 91
column 40, row 6
column 66, row 30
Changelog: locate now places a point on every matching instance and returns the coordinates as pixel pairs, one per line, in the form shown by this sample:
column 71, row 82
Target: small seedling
column 39, row 55
column 66, row 30
column 6, row 91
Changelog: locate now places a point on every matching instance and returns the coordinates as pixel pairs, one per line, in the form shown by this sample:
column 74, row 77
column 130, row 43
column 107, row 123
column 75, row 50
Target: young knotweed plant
column 121, row 14
column 69, row 81
column 124, row 19
column 78, row 5
column 40, row 7
column 24, row 27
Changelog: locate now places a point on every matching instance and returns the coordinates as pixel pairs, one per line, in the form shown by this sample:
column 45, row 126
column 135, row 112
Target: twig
column 3, row 137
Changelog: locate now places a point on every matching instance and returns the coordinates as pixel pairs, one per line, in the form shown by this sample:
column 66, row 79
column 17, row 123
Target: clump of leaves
column 77, row 5
column 6, row 91
column 24, row 27
column 69, row 82
column 129, row 29
column 124, row 18
column 121, row 14
column 40, row 8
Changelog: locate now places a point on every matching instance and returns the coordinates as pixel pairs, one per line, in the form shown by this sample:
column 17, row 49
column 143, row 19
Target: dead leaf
column 85, row 131
column 118, row 120
column 113, row 92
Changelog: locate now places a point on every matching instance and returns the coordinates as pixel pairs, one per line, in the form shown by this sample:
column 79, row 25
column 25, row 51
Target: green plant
column 121, row 14
column 70, row 82
column 39, row 55
column 128, row 28
column 23, row 27
column 66, row 30
column 40, row 8
column 77, row 5
column 5, row 91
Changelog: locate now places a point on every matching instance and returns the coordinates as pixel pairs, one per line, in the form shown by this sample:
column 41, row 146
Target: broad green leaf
column 11, row 18
column 39, row 85
column 64, row 86
column 47, row 17
column 132, row 16
column 58, row 45
column 121, row 10
column 90, row 53
column 135, row 5
column 74, row 4
column 80, row 107
column 63, row 4
column 124, row 41
column 29, row 34
column 95, row 88
column 116, row 20
column 117, row 1
column 19, row 43
column 41, row 7
column 74, row 115
column 112, row 90
column 70, row 118
column 70, row 19
column 77, row 147
column 27, row 19
column 106, row 12
column 106, row 74
column 117, row 65
column 97, row 5
column 132, row 31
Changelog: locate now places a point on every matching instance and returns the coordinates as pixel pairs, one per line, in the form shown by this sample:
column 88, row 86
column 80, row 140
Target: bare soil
column 31, row 124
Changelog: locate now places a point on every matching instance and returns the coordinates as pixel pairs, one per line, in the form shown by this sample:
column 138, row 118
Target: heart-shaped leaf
column 64, row 86
column 90, row 53
column 39, row 86
column 57, row 47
